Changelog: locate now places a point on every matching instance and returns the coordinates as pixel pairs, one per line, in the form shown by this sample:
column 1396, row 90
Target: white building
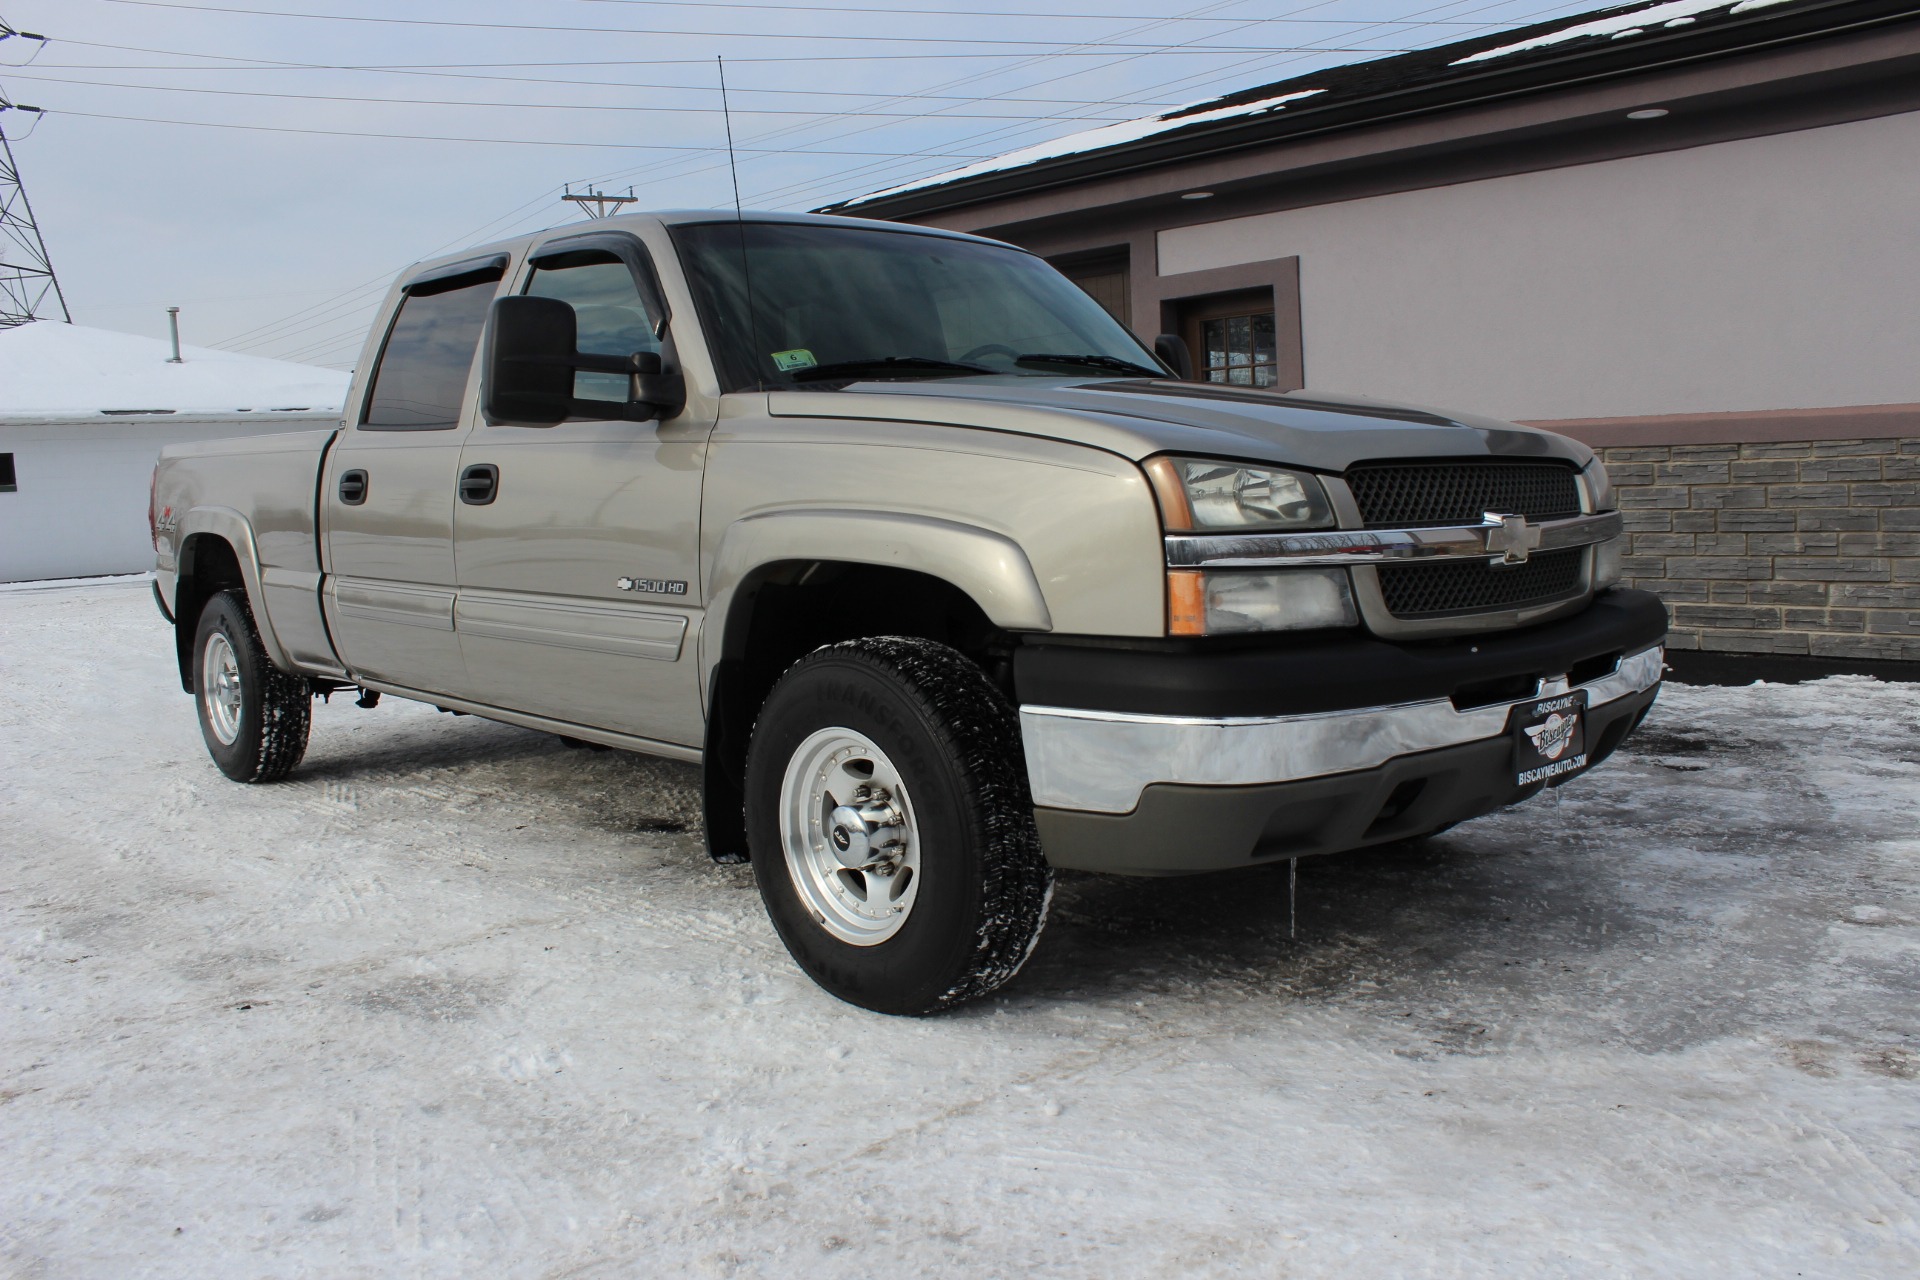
column 83, row 416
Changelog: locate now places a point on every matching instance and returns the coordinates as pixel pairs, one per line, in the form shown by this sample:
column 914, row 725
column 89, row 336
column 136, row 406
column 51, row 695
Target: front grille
column 1477, row 586
column 1403, row 495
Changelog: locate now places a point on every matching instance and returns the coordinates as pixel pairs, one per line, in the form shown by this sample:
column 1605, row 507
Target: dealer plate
column 1549, row 737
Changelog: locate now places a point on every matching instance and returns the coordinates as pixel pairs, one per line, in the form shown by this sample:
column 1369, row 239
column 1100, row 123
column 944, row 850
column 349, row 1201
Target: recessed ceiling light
column 1208, row 195
column 1647, row 113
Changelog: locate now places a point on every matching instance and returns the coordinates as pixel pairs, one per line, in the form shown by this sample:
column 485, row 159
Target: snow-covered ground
column 454, row 1002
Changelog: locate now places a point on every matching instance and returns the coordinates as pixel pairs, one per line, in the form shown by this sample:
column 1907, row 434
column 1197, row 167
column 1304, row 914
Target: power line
column 973, row 78
column 503, row 142
column 258, row 66
column 869, row 171
column 669, row 31
column 518, row 106
column 1011, row 13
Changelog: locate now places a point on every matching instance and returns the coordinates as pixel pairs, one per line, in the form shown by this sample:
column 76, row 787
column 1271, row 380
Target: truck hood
column 1137, row 418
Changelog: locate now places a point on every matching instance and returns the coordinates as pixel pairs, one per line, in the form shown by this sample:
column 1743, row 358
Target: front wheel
column 890, row 826
column 254, row 716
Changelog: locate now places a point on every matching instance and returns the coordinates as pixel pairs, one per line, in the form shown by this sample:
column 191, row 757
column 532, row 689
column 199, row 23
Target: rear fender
column 221, row 524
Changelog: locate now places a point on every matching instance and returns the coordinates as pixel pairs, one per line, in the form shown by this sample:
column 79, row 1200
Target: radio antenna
column 740, row 224
column 726, row 114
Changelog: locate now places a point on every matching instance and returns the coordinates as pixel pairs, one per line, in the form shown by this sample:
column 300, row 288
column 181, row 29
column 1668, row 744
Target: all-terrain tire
column 953, row 742
column 254, row 716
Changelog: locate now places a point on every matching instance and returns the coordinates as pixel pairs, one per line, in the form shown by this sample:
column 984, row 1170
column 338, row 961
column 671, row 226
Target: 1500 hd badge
column 653, row 586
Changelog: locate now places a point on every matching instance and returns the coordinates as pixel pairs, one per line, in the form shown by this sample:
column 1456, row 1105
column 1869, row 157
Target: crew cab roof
column 682, row 218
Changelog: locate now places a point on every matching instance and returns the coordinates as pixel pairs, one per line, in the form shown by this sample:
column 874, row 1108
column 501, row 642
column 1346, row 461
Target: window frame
column 445, row 274
column 624, row 246
column 1199, row 312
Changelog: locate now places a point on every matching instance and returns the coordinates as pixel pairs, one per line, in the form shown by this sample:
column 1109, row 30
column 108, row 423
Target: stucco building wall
column 1776, row 272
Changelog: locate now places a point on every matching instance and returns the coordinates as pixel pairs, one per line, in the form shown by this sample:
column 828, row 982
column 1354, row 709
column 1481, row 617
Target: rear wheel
column 254, row 717
column 891, row 828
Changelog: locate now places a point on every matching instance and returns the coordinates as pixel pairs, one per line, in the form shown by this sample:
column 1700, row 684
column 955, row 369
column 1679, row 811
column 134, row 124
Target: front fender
column 989, row 567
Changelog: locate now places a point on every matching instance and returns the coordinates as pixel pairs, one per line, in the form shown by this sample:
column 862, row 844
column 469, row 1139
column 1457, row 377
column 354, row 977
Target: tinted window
column 423, row 369
column 614, row 318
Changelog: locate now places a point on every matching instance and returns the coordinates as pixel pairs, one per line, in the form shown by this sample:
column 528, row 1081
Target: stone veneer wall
column 1806, row 548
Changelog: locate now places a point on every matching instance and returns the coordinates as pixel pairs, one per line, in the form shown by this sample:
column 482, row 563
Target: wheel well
column 786, row 610
column 208, row 566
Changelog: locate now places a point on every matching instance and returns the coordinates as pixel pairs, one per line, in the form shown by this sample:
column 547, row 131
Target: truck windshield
column 831, row 305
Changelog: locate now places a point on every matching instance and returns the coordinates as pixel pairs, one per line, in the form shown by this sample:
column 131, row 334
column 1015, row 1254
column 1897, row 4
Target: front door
column 387, row 494
column 578, row 569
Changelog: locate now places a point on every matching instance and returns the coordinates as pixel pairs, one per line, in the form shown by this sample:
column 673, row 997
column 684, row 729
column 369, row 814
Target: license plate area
column 1549, row 737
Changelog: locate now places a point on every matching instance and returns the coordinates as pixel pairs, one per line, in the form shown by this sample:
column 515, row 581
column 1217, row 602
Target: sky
column 222, row 156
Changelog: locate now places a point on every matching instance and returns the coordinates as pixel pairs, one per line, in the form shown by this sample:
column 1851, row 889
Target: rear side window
column 422, row 374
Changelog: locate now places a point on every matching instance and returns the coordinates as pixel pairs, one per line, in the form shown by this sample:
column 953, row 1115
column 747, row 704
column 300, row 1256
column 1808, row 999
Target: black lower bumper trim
column 1299, row 677
column 1180, row 829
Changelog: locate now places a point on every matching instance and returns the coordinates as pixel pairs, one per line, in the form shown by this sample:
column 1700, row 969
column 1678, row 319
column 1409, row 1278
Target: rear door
column 579, row 590
column 388, row 492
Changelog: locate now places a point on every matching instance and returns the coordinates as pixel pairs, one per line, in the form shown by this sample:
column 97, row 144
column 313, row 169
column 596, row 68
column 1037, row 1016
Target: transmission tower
column 27, row 281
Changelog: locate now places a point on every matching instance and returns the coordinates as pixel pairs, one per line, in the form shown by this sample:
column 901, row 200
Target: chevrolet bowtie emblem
column 1510, row 537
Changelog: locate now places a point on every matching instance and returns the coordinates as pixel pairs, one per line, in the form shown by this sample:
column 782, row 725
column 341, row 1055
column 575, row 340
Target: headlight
column 1238, row 600
column 1197, row 496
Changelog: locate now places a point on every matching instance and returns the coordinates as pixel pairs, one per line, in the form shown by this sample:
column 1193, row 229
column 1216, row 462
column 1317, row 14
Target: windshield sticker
column 798, row 358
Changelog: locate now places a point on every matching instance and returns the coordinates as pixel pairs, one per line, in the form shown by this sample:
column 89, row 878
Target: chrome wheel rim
column 220, row 688
column 852, row 846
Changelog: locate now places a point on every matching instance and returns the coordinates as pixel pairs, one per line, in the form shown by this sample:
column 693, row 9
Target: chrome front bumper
column 1101, row 761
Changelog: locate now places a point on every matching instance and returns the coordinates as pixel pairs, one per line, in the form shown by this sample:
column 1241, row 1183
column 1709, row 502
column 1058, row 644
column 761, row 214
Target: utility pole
column 600, row 201
column 26, row 273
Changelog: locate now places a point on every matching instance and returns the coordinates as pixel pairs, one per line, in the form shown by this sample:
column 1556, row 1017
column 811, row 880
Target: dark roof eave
column 1537, row 74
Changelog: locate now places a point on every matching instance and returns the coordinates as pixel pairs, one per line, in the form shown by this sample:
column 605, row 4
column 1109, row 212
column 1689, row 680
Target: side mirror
column 531, row 355
column 1172, row 350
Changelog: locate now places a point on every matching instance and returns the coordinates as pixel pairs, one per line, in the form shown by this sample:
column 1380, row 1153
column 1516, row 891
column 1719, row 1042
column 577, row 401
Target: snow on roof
column 1619, row 26
column 1111, row 135
column 1359, row 82
column 52, row 368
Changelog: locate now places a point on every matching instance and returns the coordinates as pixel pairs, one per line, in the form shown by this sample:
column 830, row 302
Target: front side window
column 613, row 316
column 795, row 305
column 422, row 375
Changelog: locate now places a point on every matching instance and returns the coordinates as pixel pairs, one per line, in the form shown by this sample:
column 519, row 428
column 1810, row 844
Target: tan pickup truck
column 944, row 578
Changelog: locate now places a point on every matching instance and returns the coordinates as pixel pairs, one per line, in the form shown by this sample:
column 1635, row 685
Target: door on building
column 388, row 491
column 1232, row 338
column 1103, row 276
column 578, row 563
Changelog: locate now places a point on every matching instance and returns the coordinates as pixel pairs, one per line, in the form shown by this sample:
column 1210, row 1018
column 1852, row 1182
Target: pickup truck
column 944, row 578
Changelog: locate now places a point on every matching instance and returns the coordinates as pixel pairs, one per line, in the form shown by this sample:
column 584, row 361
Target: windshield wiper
column 1114, row 363
column 885, row 366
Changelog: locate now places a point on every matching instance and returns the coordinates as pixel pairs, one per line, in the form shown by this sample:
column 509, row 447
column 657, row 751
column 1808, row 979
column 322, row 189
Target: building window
column 1233, row 338
column 1238, row 349
column 7, row 484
